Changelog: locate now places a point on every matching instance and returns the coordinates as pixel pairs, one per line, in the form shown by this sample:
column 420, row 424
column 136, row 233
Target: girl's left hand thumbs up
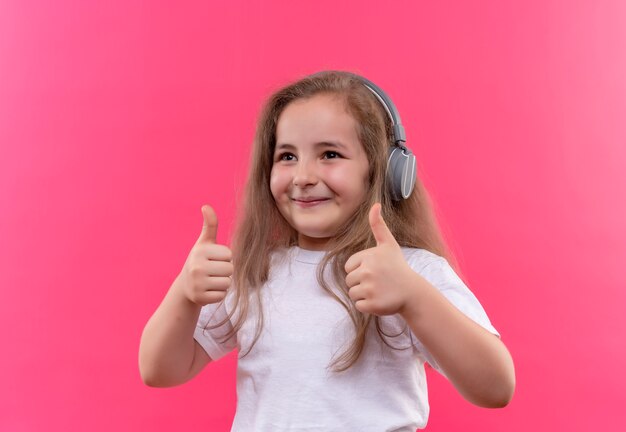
column 379, row 227
column 379, row 279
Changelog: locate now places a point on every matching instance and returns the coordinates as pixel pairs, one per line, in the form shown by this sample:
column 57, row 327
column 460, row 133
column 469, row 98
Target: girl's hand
column 207, row 272
column 379, row 279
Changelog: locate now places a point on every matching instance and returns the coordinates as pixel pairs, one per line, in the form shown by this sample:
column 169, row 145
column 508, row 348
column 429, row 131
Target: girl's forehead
column 320, row 115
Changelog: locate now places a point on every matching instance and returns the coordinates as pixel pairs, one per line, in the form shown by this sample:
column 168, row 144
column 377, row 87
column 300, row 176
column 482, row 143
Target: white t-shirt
column 284, row 383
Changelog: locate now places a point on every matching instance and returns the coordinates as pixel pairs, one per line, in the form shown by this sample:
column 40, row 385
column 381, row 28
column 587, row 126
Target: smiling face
column 320, row 170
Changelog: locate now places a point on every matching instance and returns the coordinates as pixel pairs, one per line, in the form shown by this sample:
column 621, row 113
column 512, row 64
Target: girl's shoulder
column 418, row 259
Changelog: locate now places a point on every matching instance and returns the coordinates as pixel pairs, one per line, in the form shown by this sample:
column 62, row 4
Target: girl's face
column 319, row 172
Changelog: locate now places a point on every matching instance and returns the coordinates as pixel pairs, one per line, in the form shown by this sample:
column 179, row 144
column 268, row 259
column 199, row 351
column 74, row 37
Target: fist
column 379, row 279
column 208, row 269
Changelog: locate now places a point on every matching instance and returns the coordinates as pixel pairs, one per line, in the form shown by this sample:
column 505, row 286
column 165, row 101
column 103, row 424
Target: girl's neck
column 313, row 244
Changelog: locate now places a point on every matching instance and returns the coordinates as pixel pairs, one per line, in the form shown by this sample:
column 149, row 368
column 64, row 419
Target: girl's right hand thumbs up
column 207, row 272
column 209, row 228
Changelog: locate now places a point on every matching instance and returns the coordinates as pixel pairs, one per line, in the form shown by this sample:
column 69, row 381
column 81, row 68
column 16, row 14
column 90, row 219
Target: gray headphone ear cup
column 401, row 172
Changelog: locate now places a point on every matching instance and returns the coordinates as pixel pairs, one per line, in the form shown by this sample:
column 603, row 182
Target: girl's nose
column 305, row 175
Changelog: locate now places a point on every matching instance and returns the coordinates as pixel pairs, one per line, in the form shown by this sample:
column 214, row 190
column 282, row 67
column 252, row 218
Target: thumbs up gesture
column 379, row 279
column 208, row 270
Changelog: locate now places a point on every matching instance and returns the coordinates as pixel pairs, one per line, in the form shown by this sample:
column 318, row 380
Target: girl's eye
column 286, row 157
column 331, row 155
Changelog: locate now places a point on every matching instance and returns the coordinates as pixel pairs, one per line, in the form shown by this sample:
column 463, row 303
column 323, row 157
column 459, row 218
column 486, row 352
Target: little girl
column 337, row 289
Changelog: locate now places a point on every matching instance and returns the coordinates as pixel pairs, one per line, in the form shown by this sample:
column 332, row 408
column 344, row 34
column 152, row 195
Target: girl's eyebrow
column 332, row 144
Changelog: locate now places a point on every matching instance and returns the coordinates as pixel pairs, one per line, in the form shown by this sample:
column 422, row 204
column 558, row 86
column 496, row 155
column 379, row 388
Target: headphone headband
column 399, row 135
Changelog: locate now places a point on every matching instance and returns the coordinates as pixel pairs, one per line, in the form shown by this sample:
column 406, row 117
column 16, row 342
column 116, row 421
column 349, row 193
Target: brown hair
column 261, row 229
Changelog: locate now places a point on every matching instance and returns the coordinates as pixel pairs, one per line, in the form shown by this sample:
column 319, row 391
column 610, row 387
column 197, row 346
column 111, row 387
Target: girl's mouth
column 309, row 202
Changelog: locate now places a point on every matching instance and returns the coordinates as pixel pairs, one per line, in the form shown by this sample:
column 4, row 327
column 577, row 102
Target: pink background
column 120, row 119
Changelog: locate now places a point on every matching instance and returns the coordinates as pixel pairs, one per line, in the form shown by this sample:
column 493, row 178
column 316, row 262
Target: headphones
column 401, row 164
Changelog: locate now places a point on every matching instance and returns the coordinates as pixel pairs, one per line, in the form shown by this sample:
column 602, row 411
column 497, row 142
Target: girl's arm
column 168, row 353
column 381, row 282
column 476, row 361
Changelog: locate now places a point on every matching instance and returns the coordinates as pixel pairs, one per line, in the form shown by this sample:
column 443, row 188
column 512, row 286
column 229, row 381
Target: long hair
column 261, row 229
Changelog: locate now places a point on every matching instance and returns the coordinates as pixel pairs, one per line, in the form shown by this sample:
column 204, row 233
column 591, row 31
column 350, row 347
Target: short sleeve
column 212, row 339
column 442, row 276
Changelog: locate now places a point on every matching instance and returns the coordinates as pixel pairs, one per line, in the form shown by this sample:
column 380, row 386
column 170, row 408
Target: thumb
column 379, row 227
column 209, row 227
